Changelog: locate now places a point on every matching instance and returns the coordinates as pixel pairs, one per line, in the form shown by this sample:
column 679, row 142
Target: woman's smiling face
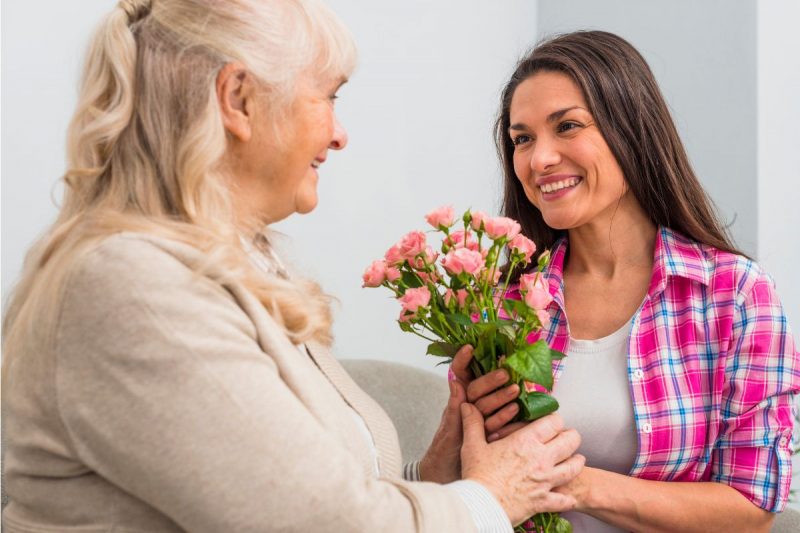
column 560, row 157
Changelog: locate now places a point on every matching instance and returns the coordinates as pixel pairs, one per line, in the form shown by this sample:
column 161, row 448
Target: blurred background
column 419, row 111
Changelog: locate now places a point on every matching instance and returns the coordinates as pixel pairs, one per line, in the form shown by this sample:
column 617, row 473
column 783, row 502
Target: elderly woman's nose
column 339, row 139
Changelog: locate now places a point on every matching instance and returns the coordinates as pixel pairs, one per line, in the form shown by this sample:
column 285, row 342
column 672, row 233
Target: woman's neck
column 611, row 245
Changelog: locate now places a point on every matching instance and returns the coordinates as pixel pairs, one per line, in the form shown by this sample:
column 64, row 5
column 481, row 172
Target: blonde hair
column 146, row 143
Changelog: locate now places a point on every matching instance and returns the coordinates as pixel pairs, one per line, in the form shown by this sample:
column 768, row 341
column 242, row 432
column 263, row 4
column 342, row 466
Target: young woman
column 680, row 365
column 161, row 371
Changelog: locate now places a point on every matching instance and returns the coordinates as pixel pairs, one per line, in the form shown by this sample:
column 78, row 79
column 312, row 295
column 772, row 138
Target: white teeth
column 557, row 186
column 315, row 164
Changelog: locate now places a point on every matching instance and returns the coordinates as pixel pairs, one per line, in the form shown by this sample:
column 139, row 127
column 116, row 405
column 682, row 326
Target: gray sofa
column 414, row 399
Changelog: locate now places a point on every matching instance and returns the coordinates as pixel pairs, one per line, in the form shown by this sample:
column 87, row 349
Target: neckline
column 609, row 341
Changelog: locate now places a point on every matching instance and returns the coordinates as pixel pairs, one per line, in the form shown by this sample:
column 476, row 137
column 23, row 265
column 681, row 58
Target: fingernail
column 513, row 390
column 493, row 437
column 502, row 376
column 451, row 376
column 452, row 388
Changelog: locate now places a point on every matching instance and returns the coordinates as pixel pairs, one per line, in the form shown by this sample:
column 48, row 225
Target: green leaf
column 459, row 318
column 555, row 354
column 563, row 525
column 535, row 405
column 532, row 362
column 405, row 326
column 411, row 279
column 442, row 349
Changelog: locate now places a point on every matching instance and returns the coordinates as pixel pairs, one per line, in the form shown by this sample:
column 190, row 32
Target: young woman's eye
column 567, row 126
column 520, row 139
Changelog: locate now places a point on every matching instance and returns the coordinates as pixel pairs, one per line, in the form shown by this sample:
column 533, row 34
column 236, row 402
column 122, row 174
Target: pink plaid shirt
column 712, row 369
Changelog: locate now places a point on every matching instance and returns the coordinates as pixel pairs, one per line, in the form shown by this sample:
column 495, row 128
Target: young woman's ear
column 235, row 98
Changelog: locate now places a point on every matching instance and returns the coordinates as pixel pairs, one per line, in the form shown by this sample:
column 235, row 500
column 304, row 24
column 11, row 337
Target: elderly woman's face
column 276, row 177
column 560, row 157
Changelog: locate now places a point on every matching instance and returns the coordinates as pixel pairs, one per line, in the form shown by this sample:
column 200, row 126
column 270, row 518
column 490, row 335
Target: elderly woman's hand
column 442, row 461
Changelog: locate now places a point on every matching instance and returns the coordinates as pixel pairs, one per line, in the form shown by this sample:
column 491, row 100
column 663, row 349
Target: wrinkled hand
column 493, row 398
column 522, row 470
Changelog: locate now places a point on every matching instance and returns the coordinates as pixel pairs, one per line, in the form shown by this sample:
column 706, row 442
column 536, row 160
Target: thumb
column 472, row 422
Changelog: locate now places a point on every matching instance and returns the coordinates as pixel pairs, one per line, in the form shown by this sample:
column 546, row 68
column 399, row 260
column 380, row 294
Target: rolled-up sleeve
column 762, row 377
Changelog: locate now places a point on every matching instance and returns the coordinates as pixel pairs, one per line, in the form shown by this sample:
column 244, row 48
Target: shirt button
column 647, row 428
column 638, row 374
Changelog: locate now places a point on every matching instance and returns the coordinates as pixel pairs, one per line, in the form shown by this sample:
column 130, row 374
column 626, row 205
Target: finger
column 483, row 385
column 546, row 428
column 563, row 446
column 472, row 422
column 452, row 412
column 566, row 471
column 555, row 502
column 502, row 417
column 460, row 364
column 505, row 431
column 494, row 401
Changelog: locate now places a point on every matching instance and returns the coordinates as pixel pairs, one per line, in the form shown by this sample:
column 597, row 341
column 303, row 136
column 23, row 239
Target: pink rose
column 462, row 260
column 375, row 274
column 524, row 246
column 392, row 274
column 534, row 291
column 501, row 227
column 495, row 280
column 412, row 245
column 530, row 386
column 460, row 297
column 544, row 317
column 442, row 217
column 413, row 299
column 428, row 258
column 461, row 239
column 478, row 219
column 393, row 256
column 429, row 277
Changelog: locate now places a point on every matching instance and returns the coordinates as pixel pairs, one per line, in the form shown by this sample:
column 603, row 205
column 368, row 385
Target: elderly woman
column 680, row 365
column 162, row 372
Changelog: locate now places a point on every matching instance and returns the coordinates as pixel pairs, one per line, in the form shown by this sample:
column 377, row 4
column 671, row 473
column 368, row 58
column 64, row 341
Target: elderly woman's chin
column 306, row 198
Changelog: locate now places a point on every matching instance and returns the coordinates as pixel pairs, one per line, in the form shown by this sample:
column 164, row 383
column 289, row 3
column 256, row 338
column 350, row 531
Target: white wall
column 419, row 112
column 42, row 45
column 779, row 149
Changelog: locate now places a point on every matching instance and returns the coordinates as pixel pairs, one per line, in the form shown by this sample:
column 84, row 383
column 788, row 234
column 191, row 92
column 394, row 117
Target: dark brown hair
column 631, row 114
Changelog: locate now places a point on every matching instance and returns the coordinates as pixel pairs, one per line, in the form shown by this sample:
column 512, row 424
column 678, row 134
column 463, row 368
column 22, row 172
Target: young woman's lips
column 554, row 190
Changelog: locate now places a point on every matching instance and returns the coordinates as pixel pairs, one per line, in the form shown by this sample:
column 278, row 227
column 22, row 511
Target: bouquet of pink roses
column 458, row 295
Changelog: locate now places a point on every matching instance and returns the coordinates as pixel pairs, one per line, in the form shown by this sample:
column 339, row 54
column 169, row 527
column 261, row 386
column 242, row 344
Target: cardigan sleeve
column 164, row 391
column 762, row 377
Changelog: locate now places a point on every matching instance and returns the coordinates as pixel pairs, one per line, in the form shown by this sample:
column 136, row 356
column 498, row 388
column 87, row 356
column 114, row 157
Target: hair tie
column 135, row 9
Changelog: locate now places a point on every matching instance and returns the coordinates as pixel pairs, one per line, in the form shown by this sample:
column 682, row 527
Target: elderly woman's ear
column 235, row 94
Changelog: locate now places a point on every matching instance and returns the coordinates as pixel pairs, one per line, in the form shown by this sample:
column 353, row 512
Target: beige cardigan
column 172, row 401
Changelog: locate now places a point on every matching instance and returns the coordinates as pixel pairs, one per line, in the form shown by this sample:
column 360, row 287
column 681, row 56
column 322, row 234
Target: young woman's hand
column 495, row 400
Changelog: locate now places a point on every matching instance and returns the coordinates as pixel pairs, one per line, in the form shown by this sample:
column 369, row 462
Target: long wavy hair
column 631, row 114
column 146, row 144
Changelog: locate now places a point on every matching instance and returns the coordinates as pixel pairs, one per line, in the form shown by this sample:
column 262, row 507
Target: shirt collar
column 675, row 255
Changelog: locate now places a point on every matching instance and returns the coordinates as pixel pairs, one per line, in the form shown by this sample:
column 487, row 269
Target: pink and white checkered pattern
column 712, row 368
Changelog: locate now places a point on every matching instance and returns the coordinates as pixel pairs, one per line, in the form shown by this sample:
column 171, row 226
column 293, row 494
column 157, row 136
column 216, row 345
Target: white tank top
column 594, row 397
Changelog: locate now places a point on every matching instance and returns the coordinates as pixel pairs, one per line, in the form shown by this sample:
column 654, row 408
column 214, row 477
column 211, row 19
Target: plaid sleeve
column 762, row 375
